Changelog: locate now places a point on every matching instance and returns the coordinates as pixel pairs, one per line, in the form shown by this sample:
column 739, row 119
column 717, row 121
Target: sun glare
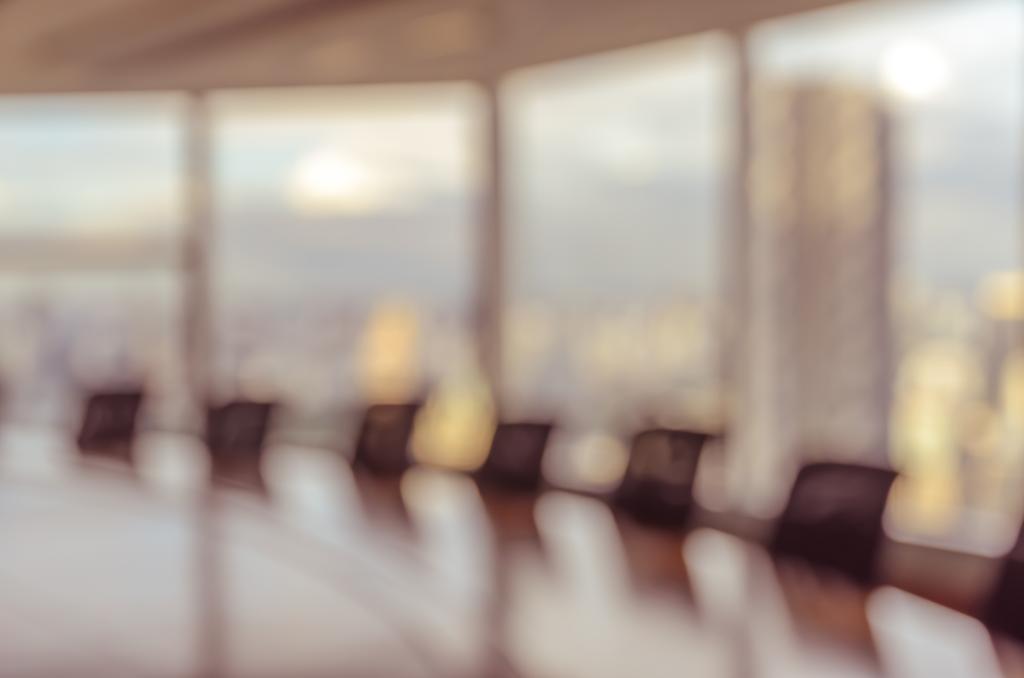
column 328, row 182
column 913, row 70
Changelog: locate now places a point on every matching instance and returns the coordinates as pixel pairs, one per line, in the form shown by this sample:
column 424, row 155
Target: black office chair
column 657, row 487
column 516, row 456
column 833, row 518
column 382, row 446
column 109, row 423
column 236, row 432
column 1004, row 611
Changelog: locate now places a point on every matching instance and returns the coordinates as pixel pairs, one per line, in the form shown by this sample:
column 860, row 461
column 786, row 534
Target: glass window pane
column 90, row 212
column 616, row 164
column 90, row 166
column 345, row 249
column 950, row 74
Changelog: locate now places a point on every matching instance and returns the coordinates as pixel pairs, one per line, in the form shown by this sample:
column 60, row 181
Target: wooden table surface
column 107, row 574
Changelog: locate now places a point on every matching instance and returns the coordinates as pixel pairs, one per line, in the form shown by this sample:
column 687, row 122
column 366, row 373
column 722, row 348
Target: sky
column 615, row 167
column 959, row 151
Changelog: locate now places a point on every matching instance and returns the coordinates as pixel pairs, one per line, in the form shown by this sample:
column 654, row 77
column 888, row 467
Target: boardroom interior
column 788, row 230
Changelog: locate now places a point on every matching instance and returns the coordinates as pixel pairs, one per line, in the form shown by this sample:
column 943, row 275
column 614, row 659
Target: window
column 345, row 254
column 949, row 73
column 89, row 281
column 615, row 164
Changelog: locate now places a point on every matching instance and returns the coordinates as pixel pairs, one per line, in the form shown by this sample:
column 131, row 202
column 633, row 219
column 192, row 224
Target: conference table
column 111, row 572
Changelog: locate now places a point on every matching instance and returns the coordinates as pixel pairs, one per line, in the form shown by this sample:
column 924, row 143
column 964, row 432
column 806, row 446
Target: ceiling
column 86, row 45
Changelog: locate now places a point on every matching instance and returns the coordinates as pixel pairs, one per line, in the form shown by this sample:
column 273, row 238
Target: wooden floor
column 103, row 573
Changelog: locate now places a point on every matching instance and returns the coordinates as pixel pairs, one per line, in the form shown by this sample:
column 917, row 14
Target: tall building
column 816, row 379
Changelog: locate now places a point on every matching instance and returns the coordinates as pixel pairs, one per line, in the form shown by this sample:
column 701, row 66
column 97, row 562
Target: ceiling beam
column 280, row 43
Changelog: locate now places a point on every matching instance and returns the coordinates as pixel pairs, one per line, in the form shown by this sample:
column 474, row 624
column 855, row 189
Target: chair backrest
column 236, row 431
column 833, row 518
column 516, row 455
column 658, row 483
column 109, row 422
column 382, row 445
column 1003, row 611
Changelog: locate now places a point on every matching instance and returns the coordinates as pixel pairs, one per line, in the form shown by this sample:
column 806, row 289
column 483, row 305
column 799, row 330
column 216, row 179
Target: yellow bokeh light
column 389, row 359
column 1012, row 391
column 456, row 425
column 936, row 414
column 1001, row 295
